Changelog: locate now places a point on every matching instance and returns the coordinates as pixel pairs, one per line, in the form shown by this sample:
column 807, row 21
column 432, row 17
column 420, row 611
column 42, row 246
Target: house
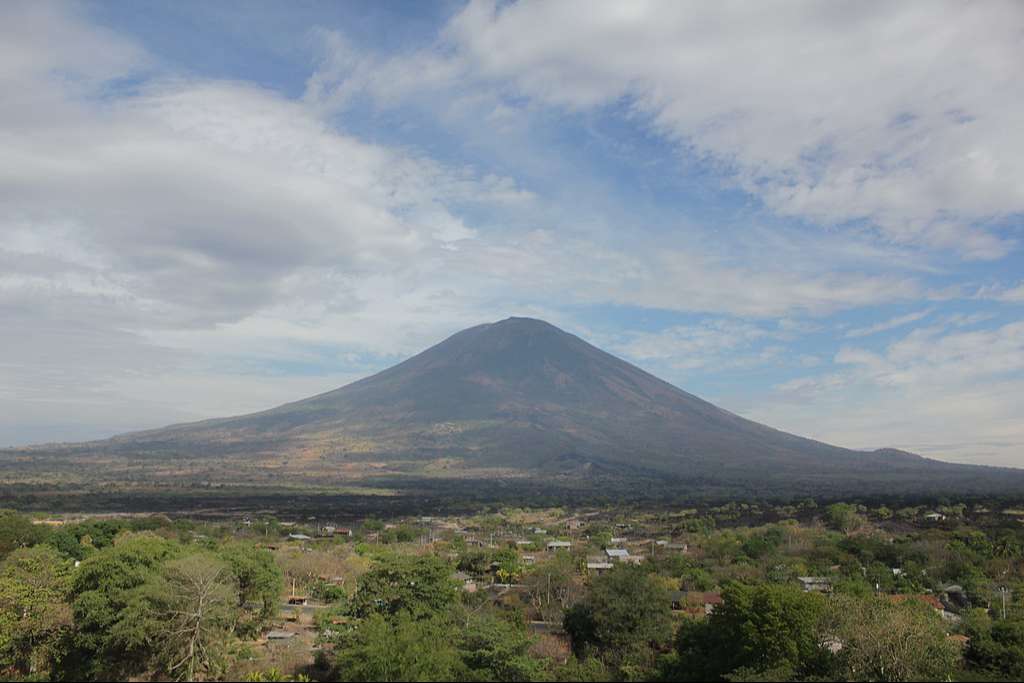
column 538, row 531
column 336, row 580
column 529, row 559
column 815, row 584
column 932, row 601
column 466, row 581
column 573, row 524
column 929, row 600
column 598, row 566
column 507, row 594
column 299, row 537
column 954, row 597
column 618, row 540
column 710, row 601
column 300, row 600
column 678, row 547
column 935, row 517
column 695, row 602
column 559, row 545
column 616, row 554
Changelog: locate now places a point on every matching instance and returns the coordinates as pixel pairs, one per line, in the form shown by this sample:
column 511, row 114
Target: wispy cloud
column 890, row 324
column 927, row 151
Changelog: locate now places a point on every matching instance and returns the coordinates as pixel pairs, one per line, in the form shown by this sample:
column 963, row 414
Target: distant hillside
column 519, row 399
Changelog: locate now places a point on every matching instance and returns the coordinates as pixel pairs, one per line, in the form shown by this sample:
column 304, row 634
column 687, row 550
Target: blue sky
column 808, row 213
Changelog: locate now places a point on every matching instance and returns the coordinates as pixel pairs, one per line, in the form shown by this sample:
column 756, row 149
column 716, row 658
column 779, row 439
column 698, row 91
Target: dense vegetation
column 898, row 594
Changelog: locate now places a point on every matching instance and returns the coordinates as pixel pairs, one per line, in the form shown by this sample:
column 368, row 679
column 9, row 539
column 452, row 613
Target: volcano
column 523, row 399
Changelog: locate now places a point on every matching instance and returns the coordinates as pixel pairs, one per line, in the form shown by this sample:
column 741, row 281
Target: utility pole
column 1002, row 592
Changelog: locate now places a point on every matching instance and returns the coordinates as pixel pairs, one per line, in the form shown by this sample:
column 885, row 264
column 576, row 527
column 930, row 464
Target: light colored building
column 618, row 554
column 815, row 584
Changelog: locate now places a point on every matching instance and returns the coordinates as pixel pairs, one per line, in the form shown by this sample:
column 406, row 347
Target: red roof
column 929, row 600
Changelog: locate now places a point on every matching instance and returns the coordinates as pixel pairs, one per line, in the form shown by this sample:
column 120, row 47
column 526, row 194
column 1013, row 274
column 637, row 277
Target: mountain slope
column 522, row 398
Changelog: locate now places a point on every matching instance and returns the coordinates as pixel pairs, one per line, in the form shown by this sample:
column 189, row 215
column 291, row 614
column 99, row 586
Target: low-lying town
column 579, row 595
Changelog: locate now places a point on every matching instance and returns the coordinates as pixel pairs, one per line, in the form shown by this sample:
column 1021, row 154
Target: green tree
column 260, row 580
column 495, row 649
column 474, row 562
column 586, row 670
column 625, row 615
column 844, row 517
column 18, row 531
column 420, row 586
column 401, row 648
column 996, row 646
column 34, row 613
column 114, row 627
column 758, row 628
column 510, row 568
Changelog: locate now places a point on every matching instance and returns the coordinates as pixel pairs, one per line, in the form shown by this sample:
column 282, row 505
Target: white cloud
column 939, row 390
column 716, row 343
column 1013, row 296
column 901, row 115
column 890, row 324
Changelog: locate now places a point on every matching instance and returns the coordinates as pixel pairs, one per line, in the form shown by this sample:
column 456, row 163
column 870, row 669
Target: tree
column 114, row 627
column 759, row 628
column 260, row 580
column 474, row 562
column 590, row 669
column 995, row 646
column 420, row 586
column 495, row 649
column 625, row 616
column 553, row 586
column 196, row 600
column 844, row 517
column 18, row 531
column 34, row 613
column 883, row 641
column 400, row 648
column 510, row 568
